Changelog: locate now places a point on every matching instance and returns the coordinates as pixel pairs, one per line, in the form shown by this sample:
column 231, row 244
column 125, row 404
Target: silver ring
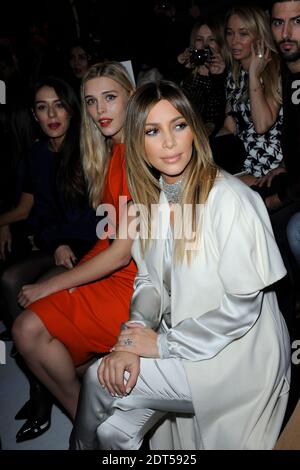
column 128, row 342
column 260, row 55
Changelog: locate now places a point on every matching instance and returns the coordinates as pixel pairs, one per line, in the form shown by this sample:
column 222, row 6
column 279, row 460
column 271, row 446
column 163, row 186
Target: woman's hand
column 139, row 340
column 184, row 58
column 5, row 241
column 32, row 292
column 64, row 256
column 260, row 57
column 268, row 178
column 217, row 64
column 111, row 372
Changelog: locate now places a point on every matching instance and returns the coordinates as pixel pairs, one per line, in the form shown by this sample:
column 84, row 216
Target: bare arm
column 21, row 212
column 264, row 111
column 184, row 58
column 115, row 257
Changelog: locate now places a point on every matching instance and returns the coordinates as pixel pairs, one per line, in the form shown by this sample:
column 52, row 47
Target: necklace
column 172, row 191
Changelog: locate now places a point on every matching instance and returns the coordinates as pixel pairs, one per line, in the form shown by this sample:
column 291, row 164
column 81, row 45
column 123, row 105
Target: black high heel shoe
column 33, row 428
column 37, row 413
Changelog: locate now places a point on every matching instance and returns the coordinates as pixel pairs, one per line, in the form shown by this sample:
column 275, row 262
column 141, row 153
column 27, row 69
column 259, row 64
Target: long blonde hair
column 95, row 148
column 142, row 181
column 257, row 22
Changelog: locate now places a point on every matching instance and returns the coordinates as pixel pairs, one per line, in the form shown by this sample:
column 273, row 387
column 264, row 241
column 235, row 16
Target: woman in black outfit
column 61, row 223
column 204, row 82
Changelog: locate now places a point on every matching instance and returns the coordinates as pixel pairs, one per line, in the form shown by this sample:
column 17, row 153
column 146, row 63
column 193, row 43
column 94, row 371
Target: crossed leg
column 106, row 422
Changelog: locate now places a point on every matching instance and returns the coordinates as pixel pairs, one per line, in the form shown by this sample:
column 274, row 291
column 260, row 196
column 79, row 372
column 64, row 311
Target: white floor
column 14, row 392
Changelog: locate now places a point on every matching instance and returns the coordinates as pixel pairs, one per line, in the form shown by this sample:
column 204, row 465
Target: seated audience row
column 74, row 316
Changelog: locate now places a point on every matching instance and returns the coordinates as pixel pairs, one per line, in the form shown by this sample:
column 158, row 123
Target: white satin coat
column 226, row 325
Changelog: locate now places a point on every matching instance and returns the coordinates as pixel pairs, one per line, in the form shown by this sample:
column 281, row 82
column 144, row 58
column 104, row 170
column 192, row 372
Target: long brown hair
column 70, row 178
column 143, row 183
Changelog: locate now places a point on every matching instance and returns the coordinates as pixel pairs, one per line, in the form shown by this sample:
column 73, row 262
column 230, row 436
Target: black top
column 55, row 221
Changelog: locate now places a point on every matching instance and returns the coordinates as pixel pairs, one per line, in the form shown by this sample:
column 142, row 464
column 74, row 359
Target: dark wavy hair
column 272, row 3
column 70, row 176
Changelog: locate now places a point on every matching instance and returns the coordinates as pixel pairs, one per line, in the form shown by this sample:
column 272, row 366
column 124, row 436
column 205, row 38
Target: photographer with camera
column 204, row 83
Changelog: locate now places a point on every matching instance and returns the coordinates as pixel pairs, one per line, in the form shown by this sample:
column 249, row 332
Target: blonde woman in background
column 254, row 109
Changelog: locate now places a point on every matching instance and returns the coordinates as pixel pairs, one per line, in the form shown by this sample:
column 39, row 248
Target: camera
column 200, row 56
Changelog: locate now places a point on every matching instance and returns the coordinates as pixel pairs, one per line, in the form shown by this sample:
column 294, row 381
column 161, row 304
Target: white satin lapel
column 155, row 254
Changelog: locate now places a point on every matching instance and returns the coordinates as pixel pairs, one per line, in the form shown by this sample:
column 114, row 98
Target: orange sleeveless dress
column 87, row 321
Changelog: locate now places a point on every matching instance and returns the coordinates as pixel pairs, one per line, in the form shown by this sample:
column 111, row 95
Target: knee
column 26, row 331
column 90, row 387
column 91, row 375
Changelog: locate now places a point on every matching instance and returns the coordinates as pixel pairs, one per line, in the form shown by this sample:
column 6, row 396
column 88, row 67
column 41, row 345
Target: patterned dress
column 264, row 151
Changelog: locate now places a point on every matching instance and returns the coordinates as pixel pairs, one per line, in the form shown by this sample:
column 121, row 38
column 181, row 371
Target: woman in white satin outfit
column 205, row 358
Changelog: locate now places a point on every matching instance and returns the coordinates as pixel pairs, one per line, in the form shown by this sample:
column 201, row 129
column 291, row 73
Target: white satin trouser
column 106, row 422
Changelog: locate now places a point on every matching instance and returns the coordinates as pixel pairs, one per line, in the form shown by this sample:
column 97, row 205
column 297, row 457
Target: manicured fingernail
column 128, row 390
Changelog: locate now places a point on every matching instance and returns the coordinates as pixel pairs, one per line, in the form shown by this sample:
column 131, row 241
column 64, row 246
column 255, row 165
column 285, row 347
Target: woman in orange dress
column 58, row 332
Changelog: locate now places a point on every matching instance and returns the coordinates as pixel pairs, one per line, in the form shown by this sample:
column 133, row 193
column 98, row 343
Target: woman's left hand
column 137, row 339
column 260, row 57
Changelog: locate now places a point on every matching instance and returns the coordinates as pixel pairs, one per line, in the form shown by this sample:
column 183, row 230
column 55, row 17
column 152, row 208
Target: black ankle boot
column 39, row 418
